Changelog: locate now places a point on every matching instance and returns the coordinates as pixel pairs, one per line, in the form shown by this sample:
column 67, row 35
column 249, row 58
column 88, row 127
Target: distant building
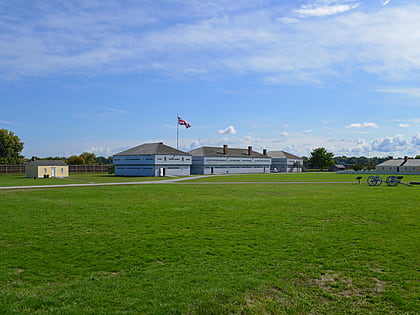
column 46, row 168
column 406, row 165
column 284, row 162
column 152, row 159
column 337, row 168
column 225, row 160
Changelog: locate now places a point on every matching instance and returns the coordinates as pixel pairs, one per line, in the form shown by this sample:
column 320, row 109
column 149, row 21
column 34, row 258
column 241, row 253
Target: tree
column 75, row 160
column 88, row 158
column 358, row 166
column 10, row 148
column 101, row 160
column 320, row 158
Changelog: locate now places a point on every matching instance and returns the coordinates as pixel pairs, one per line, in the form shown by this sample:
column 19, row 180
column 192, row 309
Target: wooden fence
column 89, row 168
column 12, row 169
column 20, row 169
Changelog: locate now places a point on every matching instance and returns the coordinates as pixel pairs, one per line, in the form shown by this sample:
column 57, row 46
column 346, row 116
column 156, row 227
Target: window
column 45, row 171
column 62, row 170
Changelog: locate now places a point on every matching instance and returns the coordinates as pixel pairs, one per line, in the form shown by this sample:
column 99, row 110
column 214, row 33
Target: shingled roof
column 152, row 148
column 49, row 162
column 218, row 151
column 282, row 155
column 401, row 162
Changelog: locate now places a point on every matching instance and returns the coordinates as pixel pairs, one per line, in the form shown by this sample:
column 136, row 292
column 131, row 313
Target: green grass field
column 81, row 178
column 211, row 249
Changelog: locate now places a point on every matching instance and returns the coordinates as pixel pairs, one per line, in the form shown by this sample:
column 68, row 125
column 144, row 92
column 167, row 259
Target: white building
column 285, row 162
column 152, row 159
column 224, row 160
column 405, row 166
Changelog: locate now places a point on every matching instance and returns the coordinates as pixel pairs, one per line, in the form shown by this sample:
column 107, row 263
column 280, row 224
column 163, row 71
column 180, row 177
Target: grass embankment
column 219, row 249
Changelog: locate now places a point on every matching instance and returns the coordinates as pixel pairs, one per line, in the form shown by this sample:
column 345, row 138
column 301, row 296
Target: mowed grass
column 300, row 177
column 211, row 249
column 79, row 178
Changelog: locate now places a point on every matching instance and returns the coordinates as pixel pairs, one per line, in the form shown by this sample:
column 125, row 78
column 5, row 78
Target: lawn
column 215, row 249
column 298, row 177
column 81, row 178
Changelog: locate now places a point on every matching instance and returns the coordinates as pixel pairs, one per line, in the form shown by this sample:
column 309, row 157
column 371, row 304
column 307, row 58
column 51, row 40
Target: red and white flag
column 182, row 122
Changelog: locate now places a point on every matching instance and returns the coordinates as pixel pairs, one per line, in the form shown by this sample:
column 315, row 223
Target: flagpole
column 177, row 132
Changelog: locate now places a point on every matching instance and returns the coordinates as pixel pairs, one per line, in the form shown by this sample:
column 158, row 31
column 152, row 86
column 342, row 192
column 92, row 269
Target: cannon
column 391, row 181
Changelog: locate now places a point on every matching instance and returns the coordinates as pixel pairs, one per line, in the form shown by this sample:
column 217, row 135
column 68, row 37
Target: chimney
column 33, row 158
column 225, row 149
column 264, row 151
column 250, row 150
column 405, row 158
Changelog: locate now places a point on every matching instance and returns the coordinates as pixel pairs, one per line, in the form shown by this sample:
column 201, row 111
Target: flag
column 182, row 122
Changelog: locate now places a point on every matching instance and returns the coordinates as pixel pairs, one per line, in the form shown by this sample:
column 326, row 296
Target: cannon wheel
column 372, row 180
column 392, row 181
column 378, row 180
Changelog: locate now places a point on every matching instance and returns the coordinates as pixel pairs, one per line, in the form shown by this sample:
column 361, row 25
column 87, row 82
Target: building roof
column 153, row 149
column 218, row 151
column 412, row 162
column 49, row 163
column 282, row 155
column 401, row 162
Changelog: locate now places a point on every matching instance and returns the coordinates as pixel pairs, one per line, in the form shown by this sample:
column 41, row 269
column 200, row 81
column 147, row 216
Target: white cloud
column 9, row 122
column 385, row 2
column 84, row 37
column 404, row 125
column 228, row 131
column 410, row 120
column 284, row 133
column 313, row 10
column 410, row 92
column 362, row 125
column 415, row 140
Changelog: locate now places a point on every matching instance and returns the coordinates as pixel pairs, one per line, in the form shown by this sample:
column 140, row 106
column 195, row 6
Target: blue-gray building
column 152, row 159
column 225, row 160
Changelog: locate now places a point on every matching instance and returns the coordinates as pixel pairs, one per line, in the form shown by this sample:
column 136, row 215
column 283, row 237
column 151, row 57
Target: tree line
column 11, row 147
column 322, row 159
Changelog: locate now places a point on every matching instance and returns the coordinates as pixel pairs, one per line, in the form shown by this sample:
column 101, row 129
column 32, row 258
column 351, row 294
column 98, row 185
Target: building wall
column 398, row 169
column 31, row 170
column 152, row 165
column 287, row 165
column 152, row 170
column 229, row 165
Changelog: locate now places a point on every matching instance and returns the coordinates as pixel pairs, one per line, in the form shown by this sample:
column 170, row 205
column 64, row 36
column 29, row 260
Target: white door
column 53, row 172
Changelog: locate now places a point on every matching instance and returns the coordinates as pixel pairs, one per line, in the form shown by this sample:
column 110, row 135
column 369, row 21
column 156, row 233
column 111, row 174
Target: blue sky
column 102, row 76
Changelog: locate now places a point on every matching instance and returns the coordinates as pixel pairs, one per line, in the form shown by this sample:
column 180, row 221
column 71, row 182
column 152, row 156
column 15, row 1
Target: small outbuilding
column 152, row 159
column 46, row 168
